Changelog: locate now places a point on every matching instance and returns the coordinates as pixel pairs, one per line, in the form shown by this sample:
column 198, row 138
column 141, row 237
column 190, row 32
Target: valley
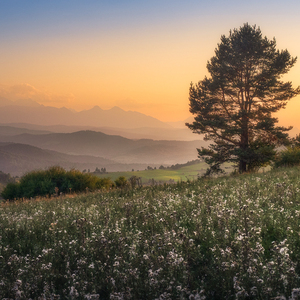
column 114, row 139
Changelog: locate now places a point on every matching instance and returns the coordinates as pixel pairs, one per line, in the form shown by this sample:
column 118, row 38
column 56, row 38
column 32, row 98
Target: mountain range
column 34, row 136
column 34, row 113
column 28, row 114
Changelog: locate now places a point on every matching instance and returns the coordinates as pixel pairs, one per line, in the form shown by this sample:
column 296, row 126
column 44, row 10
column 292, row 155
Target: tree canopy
column 234, row 106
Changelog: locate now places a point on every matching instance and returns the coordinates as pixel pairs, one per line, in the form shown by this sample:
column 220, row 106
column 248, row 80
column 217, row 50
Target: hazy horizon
column 139, row 56
column 31, row 103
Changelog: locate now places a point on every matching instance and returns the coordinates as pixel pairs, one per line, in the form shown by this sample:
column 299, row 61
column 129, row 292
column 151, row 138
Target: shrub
column 11, row 191
column 121, row 182
column 288, row 158
column 53, row 181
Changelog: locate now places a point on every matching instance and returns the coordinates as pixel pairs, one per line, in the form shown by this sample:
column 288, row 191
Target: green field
column 182, row 174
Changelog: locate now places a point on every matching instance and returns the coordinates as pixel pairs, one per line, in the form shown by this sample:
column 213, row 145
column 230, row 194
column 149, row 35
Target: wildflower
column 73, row 292
column 92, row 297
column 92, row 266
column 295, row 294
column 197, row 296
column 113, row 282
column 260, row 281
column 18, row 282
column 116, row 263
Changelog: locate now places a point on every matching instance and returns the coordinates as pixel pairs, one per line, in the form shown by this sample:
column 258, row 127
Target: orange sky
column 137, row 56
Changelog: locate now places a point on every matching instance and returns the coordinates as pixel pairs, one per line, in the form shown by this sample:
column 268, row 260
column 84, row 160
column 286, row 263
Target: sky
column 138, row 55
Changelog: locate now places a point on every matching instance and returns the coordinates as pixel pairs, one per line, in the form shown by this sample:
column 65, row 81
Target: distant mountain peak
column 115, row 117
column 96, row 107
column 116, row 108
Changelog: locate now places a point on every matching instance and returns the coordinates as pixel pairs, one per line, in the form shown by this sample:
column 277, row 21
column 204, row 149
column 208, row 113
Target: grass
column 182, row 174
column 226, row 238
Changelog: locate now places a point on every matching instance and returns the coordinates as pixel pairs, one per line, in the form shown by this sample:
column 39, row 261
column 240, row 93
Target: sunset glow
column 138, row 55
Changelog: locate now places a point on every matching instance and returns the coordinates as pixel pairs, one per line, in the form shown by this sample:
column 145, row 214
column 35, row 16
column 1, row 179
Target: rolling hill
column 17, row 159
column 6, row 130
column 180, row 134
column 117, row 148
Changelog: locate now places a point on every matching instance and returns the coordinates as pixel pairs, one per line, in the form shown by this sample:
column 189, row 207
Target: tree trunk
column 244, row 144
column 242, row 166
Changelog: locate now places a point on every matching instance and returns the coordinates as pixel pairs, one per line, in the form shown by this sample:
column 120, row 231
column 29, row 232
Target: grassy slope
column 224, row 238
column 181, row 174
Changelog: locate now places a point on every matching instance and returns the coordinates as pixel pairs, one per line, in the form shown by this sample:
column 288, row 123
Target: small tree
column 135, row 181
column 234, row 107
column 121, row 182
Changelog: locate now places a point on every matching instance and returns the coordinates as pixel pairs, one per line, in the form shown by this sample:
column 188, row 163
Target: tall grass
column 227, row 238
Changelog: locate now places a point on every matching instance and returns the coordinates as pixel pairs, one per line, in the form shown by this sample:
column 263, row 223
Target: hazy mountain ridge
column 112, row 147
column 180, row 134
column 34, row 113
column 114, row 139
column 115, row 121
column 11, row 130
column 18, row 159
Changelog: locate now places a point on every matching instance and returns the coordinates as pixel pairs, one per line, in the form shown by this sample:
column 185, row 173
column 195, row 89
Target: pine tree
column 234, row 106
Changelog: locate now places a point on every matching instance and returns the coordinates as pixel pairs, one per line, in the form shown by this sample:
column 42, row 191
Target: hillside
column 112, row 147
column 6, row 130
column 182, row 172
column 17, row 159
column 225, row 238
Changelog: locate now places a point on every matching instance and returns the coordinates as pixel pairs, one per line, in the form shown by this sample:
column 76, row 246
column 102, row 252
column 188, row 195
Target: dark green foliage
column 121, row 182
column 11, row 191
column 53, row 181
column 288, row 158
column 234, row 107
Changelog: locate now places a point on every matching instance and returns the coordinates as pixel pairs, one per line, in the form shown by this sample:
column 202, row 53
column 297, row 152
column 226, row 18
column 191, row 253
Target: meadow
column 235, row 237
column 180, row 173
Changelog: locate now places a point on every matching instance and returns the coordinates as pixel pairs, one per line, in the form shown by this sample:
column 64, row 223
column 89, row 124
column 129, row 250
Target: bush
column 11, row 191
column 121, row 182
column 288, row 158
column 53, row 181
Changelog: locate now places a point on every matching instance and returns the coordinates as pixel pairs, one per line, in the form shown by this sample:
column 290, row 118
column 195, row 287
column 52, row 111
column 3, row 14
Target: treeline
column 178, row 166
column 6, row 178
column 53, row 182
column 57, row 181
column 97, row 171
